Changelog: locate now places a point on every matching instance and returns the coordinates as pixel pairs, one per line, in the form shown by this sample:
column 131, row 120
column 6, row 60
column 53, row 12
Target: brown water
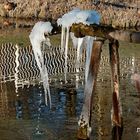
column 23, row 114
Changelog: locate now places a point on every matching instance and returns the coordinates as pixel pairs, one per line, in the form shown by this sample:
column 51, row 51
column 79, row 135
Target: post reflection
column 71, row 102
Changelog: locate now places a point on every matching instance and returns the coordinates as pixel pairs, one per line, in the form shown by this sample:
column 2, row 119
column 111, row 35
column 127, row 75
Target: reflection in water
column 3, row 101
column 19, row 109
column 25, row 112
column 30, row 106
column 16, row 68
column 37, row 107
column 27, row 72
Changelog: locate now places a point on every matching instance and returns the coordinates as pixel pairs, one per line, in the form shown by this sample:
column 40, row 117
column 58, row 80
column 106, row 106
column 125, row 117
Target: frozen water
column 74, row 39
column 37, row 36
column 68, row 19
column 62, row 39
column 66, row 53
column 77, row 16
column 80, row 41
column 88, row 17
column 89, row 43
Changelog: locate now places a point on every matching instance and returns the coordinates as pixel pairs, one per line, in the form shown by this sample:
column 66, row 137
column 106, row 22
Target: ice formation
column 86, row 17
column 89, row 43
column 79, row 16
column 37, row 36
column 16, row 68
column 66, row 52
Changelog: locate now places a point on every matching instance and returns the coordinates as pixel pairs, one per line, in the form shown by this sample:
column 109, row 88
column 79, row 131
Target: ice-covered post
column 93, row 52
column 85, row 118
column 116, row 112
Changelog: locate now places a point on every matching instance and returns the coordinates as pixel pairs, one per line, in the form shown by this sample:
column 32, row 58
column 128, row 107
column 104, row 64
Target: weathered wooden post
column 85, row 118
column 116, row 113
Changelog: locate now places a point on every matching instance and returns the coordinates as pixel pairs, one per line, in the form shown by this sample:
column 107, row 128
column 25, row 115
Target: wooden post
column 85, row 118
column 116, row 113
column 105, row 32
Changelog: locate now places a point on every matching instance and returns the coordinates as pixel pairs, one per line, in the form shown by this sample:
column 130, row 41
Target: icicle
column 36, row 38
column 74, row 39
column 79, row 44
column 89, row 42
column 16, row 68
column 80, row 41
column 75, row 44
column 66, row 52
column 62, row 38
column 43, row 71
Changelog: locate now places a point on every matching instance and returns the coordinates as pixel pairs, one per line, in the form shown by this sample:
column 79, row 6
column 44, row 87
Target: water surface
column 23, row 113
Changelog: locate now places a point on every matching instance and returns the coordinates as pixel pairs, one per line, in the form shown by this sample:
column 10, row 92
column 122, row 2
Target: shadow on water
column 24, row 115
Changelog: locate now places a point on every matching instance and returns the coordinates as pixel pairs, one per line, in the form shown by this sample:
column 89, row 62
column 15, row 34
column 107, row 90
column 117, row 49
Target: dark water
column 23, row 113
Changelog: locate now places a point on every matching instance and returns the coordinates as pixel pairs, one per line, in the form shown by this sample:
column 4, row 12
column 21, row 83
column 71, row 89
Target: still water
column 23, row 113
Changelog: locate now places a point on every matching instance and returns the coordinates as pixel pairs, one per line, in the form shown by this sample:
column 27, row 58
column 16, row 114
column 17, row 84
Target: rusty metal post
column 116, row 113
column 85, row 118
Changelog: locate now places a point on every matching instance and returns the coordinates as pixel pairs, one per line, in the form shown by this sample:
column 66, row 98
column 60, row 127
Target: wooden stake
column 85, row 120
column 116, row 114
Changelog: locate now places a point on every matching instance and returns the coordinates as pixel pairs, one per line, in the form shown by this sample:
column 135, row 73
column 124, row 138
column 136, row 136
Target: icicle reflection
column 16, row 68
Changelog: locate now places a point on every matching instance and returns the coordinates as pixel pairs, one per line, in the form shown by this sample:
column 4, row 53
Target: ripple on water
column 37, row 121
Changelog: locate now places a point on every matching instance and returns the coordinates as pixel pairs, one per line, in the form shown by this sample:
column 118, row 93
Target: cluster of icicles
column 37, row 37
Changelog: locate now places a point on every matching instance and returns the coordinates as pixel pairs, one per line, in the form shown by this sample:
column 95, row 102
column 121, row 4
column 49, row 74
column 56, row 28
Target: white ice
column 79, row 48
column 78, row 43
column 62, row 39
column 66, row 53
column 74, row 39
column 86, row 17
column 89, row 43
column 37, row 37
column 68, row 19
column 79, row 16
column 16, row 68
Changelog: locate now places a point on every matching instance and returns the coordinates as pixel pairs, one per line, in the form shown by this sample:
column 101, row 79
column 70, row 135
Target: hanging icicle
column 66, row 52
column 89, row 43
column 79, row 52
column 86, row 17
column 36, row 38
column 62, row 39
